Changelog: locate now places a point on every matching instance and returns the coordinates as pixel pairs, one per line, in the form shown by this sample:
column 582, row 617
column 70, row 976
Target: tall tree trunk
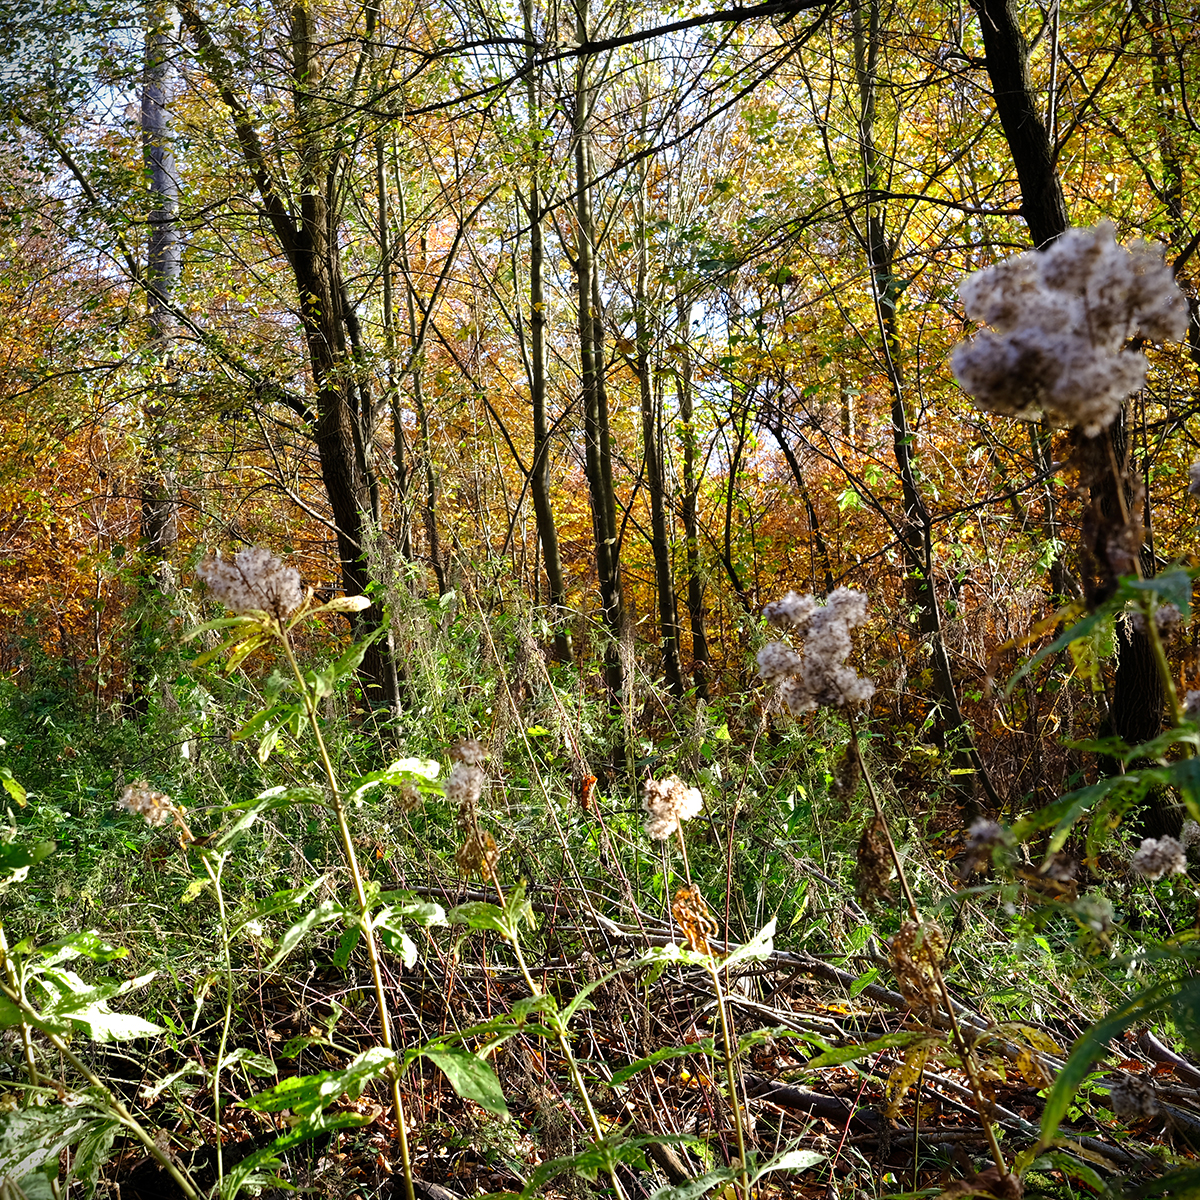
column 660, row 542
column 159, row 490
column 1137, row 697
column 915, row 525
column 688, row 501
column 163, row 265
column 596, row 431
column 539, row 479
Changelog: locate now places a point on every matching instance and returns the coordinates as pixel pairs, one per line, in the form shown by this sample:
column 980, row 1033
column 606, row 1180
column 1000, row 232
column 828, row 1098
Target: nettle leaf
column 422, row 772
column 704, row 1046
column 13, row 788
column 16, row 859
column 471, row 1077
column 834, row 1057
column 32, row 1140
column 323, row 914
column 258, row 1169
column 308, row 1094
column 760, row 946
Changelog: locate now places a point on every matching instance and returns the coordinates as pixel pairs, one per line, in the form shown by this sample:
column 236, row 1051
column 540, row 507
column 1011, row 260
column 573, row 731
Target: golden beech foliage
column 735, row 279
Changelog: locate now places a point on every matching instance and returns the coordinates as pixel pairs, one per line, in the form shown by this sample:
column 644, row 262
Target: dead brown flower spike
column 917, row 952
column 692, row 915
column 873, row 865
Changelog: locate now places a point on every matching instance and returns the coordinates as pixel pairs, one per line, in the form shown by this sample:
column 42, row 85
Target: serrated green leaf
column 704, row 1046
column 307, row 1094
column 16, row 859
column 1092, row 1045
column 844, row 1054
column 14, row 789
column 471, row 1077
column 326, row 911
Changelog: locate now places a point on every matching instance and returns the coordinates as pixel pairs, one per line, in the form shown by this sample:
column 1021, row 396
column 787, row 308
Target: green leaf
column 12, row 787
column 1073, row 1168
column 325, row 912
column 307, row 1094
column 257, row 1169
column 865, row 980
column 789, row 1160
column 1093, row 1045
column 760, row 946
column 33, row 1138
column 277, row 902
column 471, row 1077
column 704, row 1046
column 342, row 604
column 419, row 771
column 16, row 859
column 845, row 1054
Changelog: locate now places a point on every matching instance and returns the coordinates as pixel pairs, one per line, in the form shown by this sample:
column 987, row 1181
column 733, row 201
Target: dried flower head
column 477, row 854
column 468, row 750
column 917, row 951
column 1157, row 857
column 1133, row 1098
column 156, row 808
column 254, row 580
column 1094, row 911
column 983, row 836
column 1189, row 835
column 464, row 784
column 692, row 915
column 668, row 802
column 1060, row 319
column 873, row 865
column 847, row 773
column 820, row 676
column 1167, row 619
column 408, row 798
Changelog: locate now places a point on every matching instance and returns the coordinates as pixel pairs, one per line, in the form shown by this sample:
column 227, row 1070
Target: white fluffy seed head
column 668, row 802
column 1059, row 321
column 254, row 580
column 1157, row 857
column 820, row 676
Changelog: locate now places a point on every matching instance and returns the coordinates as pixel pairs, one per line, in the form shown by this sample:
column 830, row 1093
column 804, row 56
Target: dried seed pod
column 873, row 866
column 692, row 915
column 916, row 952
column 478, row 854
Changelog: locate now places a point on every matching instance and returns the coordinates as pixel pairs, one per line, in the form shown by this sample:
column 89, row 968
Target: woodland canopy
column 569, row 337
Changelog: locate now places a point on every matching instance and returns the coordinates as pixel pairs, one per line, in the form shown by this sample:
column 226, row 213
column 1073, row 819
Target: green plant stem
column 731, row 1075
column 14, row 982
column 965, row 1054
column 1160, row 661
column 214, row 875
column 119, row 1110
column 560, row 1033
column 364, row 918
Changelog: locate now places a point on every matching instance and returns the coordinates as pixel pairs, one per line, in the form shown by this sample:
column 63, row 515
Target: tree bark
column 596, row 431
column 660, row 542
column 1136, row 708
column 539, row 479
column 306, row 232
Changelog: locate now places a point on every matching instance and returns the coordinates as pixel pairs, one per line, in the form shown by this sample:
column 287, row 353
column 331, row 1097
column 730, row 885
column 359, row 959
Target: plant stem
column 26, row 1032
column 120, row 1111
column 730, row 1075
column 560, row 1033
column 965, row 1054
column 364, row 917
column 214, row 875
